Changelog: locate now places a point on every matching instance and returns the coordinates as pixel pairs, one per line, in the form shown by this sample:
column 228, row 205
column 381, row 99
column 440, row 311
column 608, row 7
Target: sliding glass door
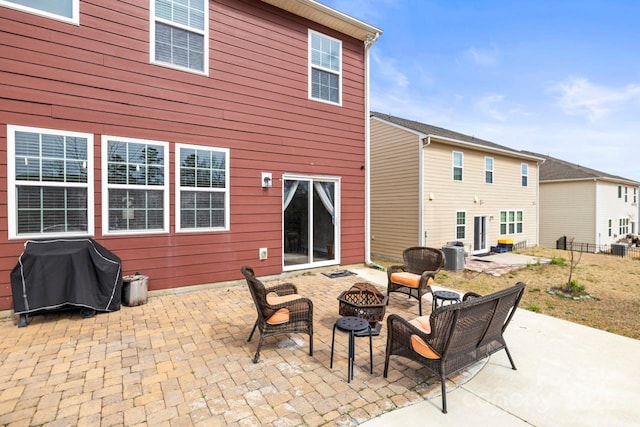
column 310, row 211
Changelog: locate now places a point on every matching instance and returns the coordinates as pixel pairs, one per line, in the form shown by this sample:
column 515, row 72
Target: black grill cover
column 61, row 273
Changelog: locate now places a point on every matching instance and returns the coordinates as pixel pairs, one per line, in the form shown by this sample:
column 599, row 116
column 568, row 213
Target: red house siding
column 96, row 78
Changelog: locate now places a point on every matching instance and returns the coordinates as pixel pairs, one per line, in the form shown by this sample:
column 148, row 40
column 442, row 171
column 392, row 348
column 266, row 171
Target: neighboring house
column 587, row 205
column 189, row 138
column 431, row 186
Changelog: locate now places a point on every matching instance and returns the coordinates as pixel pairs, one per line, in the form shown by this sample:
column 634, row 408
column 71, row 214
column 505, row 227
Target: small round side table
column 354, row 326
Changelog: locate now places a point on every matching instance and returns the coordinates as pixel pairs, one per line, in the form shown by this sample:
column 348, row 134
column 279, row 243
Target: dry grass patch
column 612, row 282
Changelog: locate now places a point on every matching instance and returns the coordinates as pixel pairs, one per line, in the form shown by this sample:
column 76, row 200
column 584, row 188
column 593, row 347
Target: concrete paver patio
column 182, row 359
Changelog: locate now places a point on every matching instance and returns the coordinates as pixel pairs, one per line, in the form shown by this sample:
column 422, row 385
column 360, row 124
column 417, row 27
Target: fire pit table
column 365, row 301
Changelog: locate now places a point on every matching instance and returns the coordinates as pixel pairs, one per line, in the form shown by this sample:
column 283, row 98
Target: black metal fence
column 624, row 250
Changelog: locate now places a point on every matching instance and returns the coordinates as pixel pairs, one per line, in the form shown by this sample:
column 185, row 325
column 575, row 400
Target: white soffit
column 328, row 17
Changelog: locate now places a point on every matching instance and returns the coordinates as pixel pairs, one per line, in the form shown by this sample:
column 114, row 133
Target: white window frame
column 12, row 183
column 319, row 67
column 488, row 169
column 152, row 39
column 524, row 171
column 511, row 226
column 455, row 166
column 623, row 226
column 75, row 11
column 461, row 226
column 179, row 188
column 106, row 187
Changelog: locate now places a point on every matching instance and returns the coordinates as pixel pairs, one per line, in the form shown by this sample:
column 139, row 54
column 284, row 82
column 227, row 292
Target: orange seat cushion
column 274, row 299
column 417, row 343
column 408, row 279
column 279, row 317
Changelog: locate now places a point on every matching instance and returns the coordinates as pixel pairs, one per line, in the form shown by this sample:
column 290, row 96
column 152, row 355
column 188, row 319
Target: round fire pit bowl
column 363, row 300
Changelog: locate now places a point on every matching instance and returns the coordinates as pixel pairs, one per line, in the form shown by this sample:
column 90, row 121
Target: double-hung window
column 524, row 169
column 325, row 68
column 135, row 194
column 180, row 34
column 202, row 188
column 488, row 170
column 457, row 166
column 461, row 224
column 624, row 226
column 62, row 10
column 50, row 182
column 511, row 222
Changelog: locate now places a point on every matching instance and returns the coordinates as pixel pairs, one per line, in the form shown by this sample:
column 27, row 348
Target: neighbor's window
column 457, row 166
column 135, row 195
column 50, row 182
column 511, row 222
column 461, row 224
column 610, row 227
column 626, row 193
column 202, row 188
column 619, row 191
column 624, row 226
column 325, row 68
column 180, row 34
column 525, row 174
column 635, row 195
column 488, row 170
column 62, row 10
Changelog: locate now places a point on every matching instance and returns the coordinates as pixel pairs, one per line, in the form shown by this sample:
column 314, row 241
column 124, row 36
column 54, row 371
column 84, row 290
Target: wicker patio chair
column 454, row 336
column 413, row 278
column 280, row 310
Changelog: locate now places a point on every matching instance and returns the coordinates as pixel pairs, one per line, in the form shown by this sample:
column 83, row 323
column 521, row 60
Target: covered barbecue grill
column 66, row 273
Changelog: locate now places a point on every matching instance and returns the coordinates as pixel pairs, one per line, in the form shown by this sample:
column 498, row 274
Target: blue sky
column 560, row 78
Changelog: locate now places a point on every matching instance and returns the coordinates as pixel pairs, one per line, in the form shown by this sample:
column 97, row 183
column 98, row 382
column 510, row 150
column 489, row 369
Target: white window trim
column 11, row 183
column 454, row 166
column 75, row 11
column 514, row 222
column 492, row 170
column 178, row 189
column 106, row 186
column 464, row 226
column 311, row 66
column 152, row 39
column 524, row 172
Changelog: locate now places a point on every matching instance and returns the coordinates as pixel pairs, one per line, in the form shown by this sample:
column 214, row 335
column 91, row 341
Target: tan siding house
column 584, row 204
column 431, row 186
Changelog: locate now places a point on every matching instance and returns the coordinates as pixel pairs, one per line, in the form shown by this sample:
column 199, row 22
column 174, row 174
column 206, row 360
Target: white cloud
column 386, row 68
column 487, row 105
column 485, row 57
column 580, row 97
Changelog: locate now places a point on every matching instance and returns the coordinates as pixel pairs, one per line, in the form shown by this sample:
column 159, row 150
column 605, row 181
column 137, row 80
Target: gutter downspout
column 367, row 155
column 422, row 236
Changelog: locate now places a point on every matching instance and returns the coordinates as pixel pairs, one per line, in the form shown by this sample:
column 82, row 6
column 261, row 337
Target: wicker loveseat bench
column 454, row 336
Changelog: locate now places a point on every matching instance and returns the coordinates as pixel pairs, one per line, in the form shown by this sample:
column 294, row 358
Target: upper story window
column 62, row 10
column 179, row 34
column 325, row 68
column 461, row 224
column 50, row 182
column 202, row 188
column 488, row 170
column 619, row 191
column 135, row 180
column 635, row 195
column 457, row 166
column 524, row 168
column 626, row 194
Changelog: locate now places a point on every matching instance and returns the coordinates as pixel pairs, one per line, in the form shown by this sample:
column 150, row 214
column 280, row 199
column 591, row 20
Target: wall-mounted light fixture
column 431, row 196
column 475, row 199
column 267, row 181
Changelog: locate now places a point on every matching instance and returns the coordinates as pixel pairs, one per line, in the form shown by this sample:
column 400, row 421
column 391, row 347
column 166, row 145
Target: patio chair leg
column 311, row 344
column 252, row 331
column 443, row 381
column 513, row 366
column 256, row 358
